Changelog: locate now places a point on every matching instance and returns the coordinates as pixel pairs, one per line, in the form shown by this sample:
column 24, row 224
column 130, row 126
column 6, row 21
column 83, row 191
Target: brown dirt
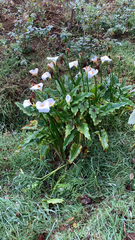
column 54, row 15
column 7, row 23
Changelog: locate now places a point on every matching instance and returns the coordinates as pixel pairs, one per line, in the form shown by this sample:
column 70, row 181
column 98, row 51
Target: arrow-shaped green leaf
column 83, row 128
column 94, row 111
column 74, row 152
column 69, row 128
column 69, row 139
column 103, row 137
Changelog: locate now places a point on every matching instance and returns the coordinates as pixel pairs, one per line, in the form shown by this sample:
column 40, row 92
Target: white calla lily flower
column 43, row 106
column 45, row 76
column 34, row 72
column 87, row 69
column 131, row 119
column 94, row 59
column 53, row 59
column 105, row 59
column 78, row 74
column 50, row 65
column 92, row 72
column 51, row 101
column 74, row 63
column 37, row 87
column 68, row 98
column 26, row 103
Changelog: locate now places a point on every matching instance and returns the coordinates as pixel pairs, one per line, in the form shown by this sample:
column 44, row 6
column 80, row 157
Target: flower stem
column 101, row 68
column 119, row 68
column 111, row 83
column 72, row 80
column 95, row 88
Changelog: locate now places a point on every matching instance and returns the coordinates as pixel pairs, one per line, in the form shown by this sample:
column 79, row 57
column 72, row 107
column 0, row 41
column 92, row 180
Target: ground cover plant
column 67, row 160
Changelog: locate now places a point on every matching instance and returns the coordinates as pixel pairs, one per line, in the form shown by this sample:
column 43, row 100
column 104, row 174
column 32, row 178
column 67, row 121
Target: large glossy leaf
column 84, row 106
column 111, row 78
column 127, row 101
column 30, row 139
column 123, row 83
column 28, row 110
column 73, row 92
column 81, row 96
column 59, row 88
column 69, row 139
column 53, row 92
column 74, row 152
column 68, row 83
column 110, row 107
column 74, row 109
column 103, row 137
column 94, row 111
column 126, row 89
column 83, row 128
column 31, row 126
column 69, row 128
column 44, row 150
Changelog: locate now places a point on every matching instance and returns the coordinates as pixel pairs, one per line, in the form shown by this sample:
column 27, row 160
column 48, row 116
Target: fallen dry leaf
column 70, row 219
column 131, row 176
column 41, row 237
column 84, row 199
column 74, row 225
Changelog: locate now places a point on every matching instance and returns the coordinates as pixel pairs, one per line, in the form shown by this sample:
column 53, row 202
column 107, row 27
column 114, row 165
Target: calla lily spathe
column 78, row 74
column 26, row 103
column 45, row 105
column 92, row 72
column 50, row 65
column 68, row 98
column 45, row 76
column 105, row 59
column 132, row 118
column 34, row 72
column 51, row 101
column 87, row 69
column 74, row 63
column 37, row 87
column 53, row 59
column 94, row 59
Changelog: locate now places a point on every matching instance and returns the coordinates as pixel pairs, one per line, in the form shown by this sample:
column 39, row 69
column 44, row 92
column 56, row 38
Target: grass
column 101, row 177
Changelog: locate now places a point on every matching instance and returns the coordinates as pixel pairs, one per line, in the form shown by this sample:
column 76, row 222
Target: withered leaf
column 131, row 176
column 41, row 237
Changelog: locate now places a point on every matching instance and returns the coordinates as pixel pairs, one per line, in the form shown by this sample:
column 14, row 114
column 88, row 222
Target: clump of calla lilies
column 71, row 114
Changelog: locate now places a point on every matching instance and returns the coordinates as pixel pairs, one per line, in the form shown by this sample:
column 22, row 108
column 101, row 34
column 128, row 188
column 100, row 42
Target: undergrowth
column 96, row 189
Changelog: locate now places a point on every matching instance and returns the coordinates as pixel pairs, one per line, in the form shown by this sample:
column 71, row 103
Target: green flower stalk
column 119, row 66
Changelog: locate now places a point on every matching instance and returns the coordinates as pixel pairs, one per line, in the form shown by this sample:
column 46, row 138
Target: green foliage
column 72, row 115
column 65, row 35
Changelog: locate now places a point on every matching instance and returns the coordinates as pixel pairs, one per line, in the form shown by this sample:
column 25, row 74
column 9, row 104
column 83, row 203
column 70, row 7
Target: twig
column 71, row 20
column 82, row 10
